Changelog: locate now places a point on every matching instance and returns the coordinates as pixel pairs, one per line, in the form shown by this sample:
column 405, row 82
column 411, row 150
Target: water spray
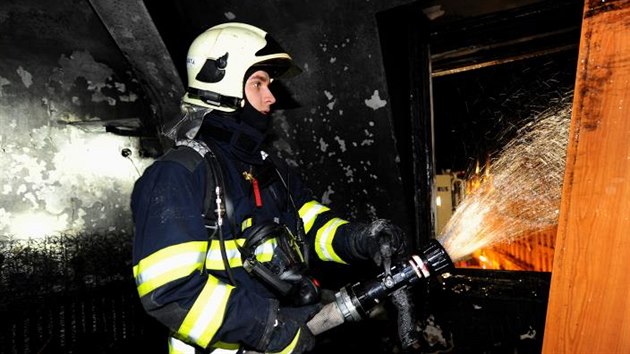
column 354, row 303
column 521, row 195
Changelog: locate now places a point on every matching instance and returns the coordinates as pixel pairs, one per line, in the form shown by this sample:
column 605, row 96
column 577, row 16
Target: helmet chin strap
column 214, row 99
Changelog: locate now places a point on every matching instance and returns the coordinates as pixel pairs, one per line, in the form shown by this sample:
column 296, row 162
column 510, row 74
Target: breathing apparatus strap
column 215, row 186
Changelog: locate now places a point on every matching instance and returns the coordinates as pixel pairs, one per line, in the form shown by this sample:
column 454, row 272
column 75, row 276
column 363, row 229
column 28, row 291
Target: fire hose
column 353, row 303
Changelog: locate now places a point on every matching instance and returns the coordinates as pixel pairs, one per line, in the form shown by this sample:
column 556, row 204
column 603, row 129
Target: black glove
column 382, row 239
column 290, row 330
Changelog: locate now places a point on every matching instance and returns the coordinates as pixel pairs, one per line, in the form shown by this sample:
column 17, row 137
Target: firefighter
column 224, row 231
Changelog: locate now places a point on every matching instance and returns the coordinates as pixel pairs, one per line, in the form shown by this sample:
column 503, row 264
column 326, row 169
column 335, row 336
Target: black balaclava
column 241, row 132
column 250, row 116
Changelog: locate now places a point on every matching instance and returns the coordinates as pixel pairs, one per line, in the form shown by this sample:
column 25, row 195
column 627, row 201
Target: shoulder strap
column 184, row 156
column 190, row 153
column 214, row 208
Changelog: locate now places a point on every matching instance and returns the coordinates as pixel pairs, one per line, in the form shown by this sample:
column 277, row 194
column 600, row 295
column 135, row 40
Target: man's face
column 257, row 91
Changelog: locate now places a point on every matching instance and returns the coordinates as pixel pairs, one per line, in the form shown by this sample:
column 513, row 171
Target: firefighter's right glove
column 290, row 334
column 378, row 240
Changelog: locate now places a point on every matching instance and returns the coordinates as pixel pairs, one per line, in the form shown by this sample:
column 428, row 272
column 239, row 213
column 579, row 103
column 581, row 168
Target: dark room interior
column 425, row 113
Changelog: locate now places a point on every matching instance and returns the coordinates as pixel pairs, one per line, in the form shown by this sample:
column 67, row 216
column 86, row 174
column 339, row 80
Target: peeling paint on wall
column 65, row 180
column 61, row 172
column 3, row 82
column 331, row 100
column 349, row 173
column 57, row 178
column 342, row 143
column 375, row 102
column 27, row 78
column 322, row 145
column 81, row 64
column 326, row 196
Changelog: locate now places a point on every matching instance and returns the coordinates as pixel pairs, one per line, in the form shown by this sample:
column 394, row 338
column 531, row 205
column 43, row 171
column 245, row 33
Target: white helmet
column 219, row 59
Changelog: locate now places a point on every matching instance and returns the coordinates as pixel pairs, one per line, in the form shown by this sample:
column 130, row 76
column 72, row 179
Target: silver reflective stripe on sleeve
column 168, row 264
column 324, row 239
column 176, row 346
column 206, row 315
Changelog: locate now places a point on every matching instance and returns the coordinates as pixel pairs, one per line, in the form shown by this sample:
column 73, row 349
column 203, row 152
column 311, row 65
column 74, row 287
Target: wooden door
column 589, row 301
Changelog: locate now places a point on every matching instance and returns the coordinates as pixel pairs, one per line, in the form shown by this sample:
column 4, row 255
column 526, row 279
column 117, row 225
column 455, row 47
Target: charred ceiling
column 534, row 30
column 493, row 73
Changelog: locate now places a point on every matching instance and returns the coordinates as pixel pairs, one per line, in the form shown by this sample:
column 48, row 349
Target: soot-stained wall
column 60, row 77
column 340, row 133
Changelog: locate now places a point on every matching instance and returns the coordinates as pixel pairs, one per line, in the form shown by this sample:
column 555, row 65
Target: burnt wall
column 334, row 119
column 62, row 80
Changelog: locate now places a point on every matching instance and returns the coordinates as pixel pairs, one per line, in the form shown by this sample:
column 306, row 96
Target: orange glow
column 529, row 252
column 533, row 252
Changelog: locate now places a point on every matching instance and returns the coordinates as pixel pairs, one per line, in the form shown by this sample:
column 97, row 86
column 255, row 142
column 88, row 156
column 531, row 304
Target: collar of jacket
column 234, row 135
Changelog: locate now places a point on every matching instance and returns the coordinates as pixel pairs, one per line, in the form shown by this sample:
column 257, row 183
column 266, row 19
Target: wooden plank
column 589, row 301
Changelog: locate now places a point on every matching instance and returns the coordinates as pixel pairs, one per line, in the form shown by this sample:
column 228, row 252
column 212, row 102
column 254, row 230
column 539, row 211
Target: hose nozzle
column 436, row 258
column 353, row 303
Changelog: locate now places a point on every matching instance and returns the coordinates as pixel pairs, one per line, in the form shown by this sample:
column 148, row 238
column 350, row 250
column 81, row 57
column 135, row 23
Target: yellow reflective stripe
column 309, row 211
column 289, row 348
column 246, row 223
column 176, row 346
column 223, row 347
column 214, row 261
column 168, row 264
column 324, row 239
column 206, row 315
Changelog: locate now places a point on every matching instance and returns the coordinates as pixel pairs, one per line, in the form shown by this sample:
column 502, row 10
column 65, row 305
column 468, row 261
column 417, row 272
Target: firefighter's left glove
column 290, row 333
